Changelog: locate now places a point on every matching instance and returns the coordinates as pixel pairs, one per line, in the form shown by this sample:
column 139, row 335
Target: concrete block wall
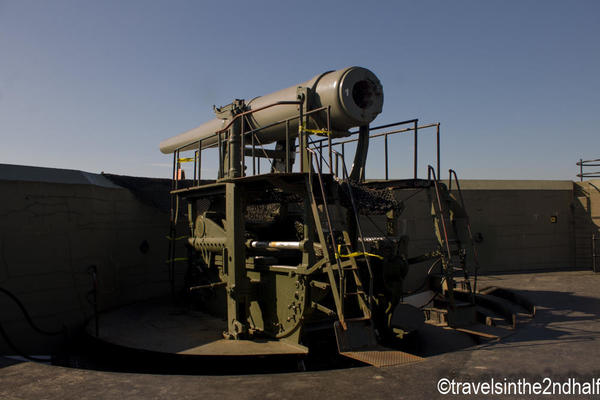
column 586, row 210
column 524, row 225
column 54, row 225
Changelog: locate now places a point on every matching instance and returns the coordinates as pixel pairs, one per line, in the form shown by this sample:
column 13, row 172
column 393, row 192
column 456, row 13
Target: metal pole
column 173, row 186
column 386, row 157
column 438, row 149
column 329, row 139
column 287, row 146
column 219, row 143
column 195, row 165
column 242, row 149
column 301, row 140
column 321, row 159
column 415, row 149
column 177, row 171
column 199, row 161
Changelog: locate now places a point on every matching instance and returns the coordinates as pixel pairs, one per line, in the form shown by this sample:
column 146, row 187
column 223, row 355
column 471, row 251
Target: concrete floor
column 562, row 341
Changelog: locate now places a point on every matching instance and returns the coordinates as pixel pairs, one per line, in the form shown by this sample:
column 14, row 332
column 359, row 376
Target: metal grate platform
column 383, row 357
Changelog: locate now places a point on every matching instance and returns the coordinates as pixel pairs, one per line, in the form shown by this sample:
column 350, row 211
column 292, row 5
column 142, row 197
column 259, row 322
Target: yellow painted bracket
column 355, row 254
column 316, row 131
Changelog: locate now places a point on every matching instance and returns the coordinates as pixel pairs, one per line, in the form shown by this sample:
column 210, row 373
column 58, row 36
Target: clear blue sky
column 96, row 85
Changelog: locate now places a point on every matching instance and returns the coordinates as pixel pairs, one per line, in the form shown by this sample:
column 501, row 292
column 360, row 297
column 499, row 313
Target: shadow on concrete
column 7, row 362
column 560, row 317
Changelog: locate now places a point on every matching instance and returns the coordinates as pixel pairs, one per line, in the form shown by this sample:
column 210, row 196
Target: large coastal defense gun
column 282, row 254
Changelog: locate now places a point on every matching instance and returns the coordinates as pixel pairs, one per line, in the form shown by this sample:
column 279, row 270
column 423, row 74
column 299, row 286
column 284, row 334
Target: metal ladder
column 452, row 252
column 336, row 268
column 472, row 246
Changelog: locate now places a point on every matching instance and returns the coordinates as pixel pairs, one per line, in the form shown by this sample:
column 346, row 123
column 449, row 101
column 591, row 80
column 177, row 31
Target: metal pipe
column 256, row 244
column 207, row 286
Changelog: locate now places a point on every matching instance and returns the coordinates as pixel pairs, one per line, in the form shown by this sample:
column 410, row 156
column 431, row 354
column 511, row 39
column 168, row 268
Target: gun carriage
column 281, row 254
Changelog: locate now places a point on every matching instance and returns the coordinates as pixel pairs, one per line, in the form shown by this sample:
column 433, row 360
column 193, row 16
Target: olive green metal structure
column 281, row 254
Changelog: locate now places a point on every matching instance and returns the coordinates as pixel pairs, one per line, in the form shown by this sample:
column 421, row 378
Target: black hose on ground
column 31, row 323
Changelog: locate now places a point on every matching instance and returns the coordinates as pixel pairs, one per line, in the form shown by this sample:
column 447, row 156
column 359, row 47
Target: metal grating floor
column 383, row 358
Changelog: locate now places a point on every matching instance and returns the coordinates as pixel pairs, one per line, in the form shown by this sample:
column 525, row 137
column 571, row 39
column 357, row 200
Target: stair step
column 357, row 293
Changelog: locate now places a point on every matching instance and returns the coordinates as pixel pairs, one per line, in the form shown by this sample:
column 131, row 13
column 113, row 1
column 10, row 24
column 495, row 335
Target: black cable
column 16, row 349
column 31, row 323
column 28, row 317
column 434, row 295
column 414, row 291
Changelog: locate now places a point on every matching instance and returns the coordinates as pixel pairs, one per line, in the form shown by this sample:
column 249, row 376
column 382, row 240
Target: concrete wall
column 525, row 225
column 514, row 219
column 586, row 209
column 56, row 223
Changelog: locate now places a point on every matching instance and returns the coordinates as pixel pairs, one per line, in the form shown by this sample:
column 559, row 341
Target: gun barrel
column 354, row 95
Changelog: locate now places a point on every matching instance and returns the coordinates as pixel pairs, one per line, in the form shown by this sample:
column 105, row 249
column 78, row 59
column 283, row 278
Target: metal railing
column 385, row 135
column 328, row 150
column 586, row 164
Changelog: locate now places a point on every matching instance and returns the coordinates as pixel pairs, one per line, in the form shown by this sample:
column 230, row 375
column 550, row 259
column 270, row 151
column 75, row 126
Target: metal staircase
column 448, row 215
column 341, row 267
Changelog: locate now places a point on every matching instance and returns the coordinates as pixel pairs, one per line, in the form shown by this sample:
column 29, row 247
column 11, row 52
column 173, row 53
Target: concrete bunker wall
column 521, row 225
column 54, row 225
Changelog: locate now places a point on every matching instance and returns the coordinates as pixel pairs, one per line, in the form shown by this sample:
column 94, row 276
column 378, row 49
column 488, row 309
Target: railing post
column 242, row 148
column 336, row 156
column 253, row 155
column 199, row 161
column 438, row 148
column 321, row 159
column 329, row 139
column 415, row 148
column 174, row 177
column 177, row 167
column 386, row 157
column 219, row 143
column 287, row 146
column 195, row 166
column 304, row 158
